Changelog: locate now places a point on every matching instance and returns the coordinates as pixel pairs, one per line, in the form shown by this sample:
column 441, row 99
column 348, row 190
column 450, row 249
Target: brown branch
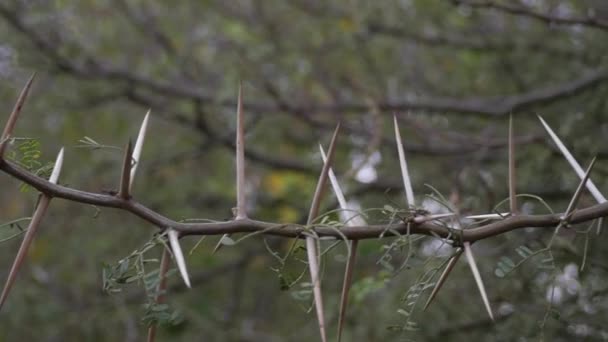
column 294, row 230
column 588, row 21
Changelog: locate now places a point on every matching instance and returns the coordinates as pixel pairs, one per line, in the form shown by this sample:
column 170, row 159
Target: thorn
column 160, row 289
column 473, row 265
column 346, row 285
column 407, row 184
column 444, row 275
column 12, row 119
column 512, row 179
column 57, row 167
column 139, row 144
column 240, row 159
column 311, row 247
column 350, row 263
column 579, row 190
column 316, row 200
column 498, row 216
column 241, row 206
column 125, row 177
column 179, row 256
column 334, row 182
column 422, row 219
column 573, row 163
column 219, row 244
column 43, row 205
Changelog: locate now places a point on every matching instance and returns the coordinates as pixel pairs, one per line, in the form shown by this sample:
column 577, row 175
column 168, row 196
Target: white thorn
column 407, row 184
column 488, row 216
column 573, row 163
column 138, row 147
column 179, row 256
column 57, row 167
column 473, row 265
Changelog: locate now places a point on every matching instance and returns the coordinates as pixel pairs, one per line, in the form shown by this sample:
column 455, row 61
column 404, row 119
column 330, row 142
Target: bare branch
column 294, row 230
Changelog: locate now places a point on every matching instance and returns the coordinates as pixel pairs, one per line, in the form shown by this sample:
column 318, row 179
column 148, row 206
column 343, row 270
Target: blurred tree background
column 452, row 72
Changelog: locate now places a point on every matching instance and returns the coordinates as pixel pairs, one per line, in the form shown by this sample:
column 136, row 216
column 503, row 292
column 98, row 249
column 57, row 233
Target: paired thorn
column 473, row 266
column 241, row 207
column 444, row 275
column 178, row 255
column 12, row 119
column 43, row 205
column 125, row 177
column 350, row 263
column 407, row 184
column 139, row 144
column 311, row 247
column 160, row 289
column 573, row 163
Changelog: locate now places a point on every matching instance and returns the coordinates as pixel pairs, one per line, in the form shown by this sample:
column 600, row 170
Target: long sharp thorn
column 346, row 285
column 12, row 119
column 443, row 277
column 334, row 182
column 473, row 265
column 125, row 177
column 178, row 254
column 240, row 159
column 579, row 190
column 43, row 204
column 573, row 163
column 512, row 179
column 311, row 247
column 320, row 189
column 139, row 144
column 160, row 289
column 350, row 263
column 495, row 216
column 426, row 218
column 407, row 184
column 241, row 211
column 219, row 244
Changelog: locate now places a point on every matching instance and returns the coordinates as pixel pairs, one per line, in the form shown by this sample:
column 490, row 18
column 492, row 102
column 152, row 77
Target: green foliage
column 28, row 155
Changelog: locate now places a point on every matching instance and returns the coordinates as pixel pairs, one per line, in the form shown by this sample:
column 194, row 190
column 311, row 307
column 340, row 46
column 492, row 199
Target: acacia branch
column 295, row 230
